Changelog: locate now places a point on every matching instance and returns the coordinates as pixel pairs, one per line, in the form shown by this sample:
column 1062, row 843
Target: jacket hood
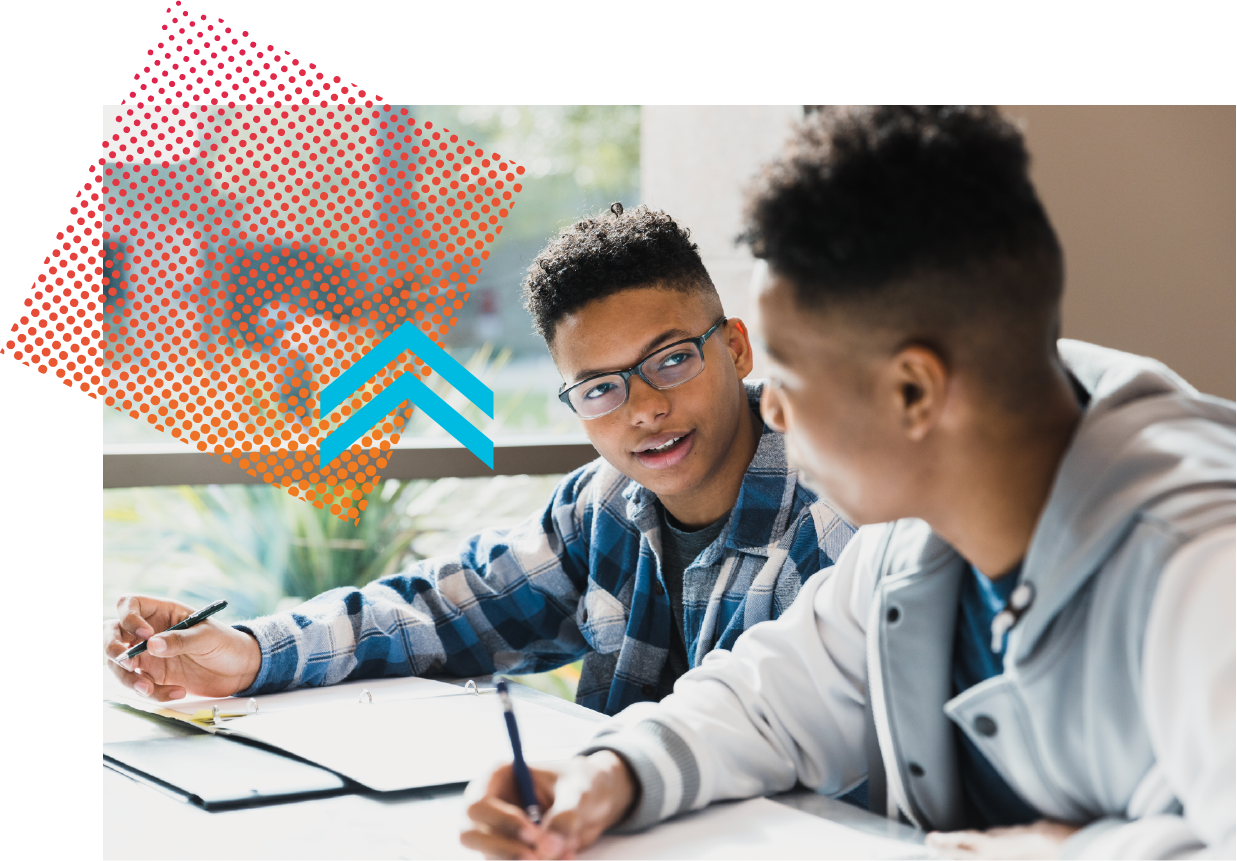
column 1145, row 437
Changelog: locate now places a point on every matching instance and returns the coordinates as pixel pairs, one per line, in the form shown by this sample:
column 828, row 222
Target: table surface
column 140, row 821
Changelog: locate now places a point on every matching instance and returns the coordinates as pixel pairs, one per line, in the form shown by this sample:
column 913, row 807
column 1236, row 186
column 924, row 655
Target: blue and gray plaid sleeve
column 505, row 603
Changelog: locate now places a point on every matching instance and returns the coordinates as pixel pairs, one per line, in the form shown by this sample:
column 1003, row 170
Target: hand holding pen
column 575, row 802
column 188, row 622
column 206, row 658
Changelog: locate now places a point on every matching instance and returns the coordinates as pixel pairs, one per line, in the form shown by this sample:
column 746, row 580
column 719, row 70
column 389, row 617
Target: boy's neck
column 993, row 486
column 712, row 500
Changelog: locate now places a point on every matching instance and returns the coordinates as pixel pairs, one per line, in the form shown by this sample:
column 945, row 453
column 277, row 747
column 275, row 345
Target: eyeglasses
column 669, row 367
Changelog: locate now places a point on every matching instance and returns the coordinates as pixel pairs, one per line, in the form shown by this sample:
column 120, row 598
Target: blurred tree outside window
column 264, row 550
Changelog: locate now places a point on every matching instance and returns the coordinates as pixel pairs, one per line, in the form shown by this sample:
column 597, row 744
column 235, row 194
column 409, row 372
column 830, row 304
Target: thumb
column 198, row 640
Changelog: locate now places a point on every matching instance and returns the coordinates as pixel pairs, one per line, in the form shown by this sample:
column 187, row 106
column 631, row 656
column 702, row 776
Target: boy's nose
column 644, row 402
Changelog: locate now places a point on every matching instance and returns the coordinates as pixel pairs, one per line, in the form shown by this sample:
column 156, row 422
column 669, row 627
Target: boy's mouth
column 665, row 450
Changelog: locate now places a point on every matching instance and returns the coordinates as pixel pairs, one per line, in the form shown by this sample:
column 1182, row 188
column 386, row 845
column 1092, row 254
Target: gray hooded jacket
column 1116, row 704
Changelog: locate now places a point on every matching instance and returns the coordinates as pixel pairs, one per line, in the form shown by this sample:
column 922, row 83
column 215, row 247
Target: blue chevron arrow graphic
column 406, row 387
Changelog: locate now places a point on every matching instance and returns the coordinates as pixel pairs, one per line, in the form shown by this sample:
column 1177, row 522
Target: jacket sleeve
column 505, row 603
column 785, row 705
column 1189, row 667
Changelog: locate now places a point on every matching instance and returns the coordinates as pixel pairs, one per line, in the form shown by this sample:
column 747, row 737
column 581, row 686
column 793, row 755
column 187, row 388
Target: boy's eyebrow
column 649, row 347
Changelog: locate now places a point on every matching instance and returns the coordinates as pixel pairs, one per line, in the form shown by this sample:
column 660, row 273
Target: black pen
column 523, row 779
column 188, row 622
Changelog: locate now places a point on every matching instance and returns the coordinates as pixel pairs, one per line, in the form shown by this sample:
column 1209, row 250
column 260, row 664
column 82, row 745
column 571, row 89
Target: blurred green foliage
column 254, row 545
column 578, row 158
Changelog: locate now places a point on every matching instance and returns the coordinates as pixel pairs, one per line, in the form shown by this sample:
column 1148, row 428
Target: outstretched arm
column 506, row 602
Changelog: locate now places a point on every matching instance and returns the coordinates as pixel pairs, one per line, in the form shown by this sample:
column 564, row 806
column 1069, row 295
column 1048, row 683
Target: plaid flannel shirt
column 581, row 578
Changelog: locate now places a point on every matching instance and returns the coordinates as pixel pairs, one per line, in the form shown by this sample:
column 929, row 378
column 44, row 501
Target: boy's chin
column 682, row 478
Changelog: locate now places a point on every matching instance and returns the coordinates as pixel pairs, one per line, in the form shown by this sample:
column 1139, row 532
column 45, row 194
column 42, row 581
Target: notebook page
column 403, row 744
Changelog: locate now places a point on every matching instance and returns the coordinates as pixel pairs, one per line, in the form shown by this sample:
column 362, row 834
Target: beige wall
column 1142, row 197
column 1143, row 201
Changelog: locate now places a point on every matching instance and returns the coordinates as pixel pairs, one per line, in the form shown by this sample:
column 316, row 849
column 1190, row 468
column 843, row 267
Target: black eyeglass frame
column 564, row 393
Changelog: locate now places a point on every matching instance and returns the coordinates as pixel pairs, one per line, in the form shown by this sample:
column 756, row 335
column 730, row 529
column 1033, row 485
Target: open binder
column 216, row 773
column 385, row 734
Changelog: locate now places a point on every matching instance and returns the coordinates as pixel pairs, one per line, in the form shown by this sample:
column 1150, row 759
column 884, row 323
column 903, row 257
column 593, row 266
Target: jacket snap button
column 916, row 769
column 893, row 615
column 648, row 690
column 659, row 589
column 985, row 725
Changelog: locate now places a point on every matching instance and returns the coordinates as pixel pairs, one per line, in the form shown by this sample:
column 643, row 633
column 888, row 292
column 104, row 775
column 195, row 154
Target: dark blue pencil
column 523, row 779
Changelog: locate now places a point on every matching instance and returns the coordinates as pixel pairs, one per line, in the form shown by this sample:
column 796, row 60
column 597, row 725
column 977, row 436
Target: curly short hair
column 599, row 256
column 867, row 196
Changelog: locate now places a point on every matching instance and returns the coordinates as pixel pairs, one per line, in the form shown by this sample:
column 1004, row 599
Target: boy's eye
column 672, row 360
column 597, row 391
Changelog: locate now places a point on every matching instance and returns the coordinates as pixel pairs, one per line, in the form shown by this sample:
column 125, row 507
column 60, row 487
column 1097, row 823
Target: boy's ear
column 740, row 345
column 920, row 380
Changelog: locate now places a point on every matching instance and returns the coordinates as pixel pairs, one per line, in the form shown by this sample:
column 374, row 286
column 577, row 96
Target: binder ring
column 251, row 706
column 471, row 687
column 214, row 716
column 366, row 696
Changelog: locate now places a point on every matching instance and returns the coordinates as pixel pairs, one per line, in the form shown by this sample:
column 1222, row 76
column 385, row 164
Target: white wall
column 695, row 163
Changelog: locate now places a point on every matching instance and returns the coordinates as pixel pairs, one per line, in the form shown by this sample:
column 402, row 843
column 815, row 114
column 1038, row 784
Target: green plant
column 254, row 545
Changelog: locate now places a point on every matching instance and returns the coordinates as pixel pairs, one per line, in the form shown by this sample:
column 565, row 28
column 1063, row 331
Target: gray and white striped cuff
column 663, row 766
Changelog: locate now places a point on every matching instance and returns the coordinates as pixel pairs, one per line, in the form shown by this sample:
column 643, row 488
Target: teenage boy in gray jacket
column 1031, row 650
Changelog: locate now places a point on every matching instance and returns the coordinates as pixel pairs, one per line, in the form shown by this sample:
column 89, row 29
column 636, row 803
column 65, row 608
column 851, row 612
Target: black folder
column 216, row 772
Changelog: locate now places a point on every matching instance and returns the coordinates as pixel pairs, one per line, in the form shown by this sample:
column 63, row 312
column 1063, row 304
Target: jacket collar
column 1116, row 464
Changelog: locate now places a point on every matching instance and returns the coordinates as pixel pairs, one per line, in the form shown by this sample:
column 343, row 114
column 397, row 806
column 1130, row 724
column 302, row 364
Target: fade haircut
column 617, row 250
column 921, row 219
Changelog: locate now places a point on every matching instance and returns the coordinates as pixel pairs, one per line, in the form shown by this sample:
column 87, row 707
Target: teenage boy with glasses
column 687, row 531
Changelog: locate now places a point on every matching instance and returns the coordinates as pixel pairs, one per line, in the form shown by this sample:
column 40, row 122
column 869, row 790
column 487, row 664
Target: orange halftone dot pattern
column 254, row 227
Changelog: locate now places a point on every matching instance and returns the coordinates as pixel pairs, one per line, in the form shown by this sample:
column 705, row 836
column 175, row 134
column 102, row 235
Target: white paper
column 396, row 688
column 402, row 743
column 756, row 828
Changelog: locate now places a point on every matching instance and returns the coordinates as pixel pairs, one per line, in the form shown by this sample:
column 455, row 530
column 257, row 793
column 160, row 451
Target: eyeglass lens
column 665, row 369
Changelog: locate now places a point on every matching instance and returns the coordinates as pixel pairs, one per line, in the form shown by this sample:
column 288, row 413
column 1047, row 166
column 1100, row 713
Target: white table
column 140, row 821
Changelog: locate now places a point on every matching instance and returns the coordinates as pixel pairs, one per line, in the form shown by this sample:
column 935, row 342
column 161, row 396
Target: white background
column 63, row 61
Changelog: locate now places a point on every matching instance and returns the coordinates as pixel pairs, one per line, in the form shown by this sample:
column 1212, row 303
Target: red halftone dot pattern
column 254, row 227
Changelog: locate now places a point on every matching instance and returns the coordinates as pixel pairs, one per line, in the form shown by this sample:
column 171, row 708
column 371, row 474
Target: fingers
column 143, row 684
column 142, row 615
column 498, row 826
column 198, row 640
column 503, row 819
column 115, row 640
column 495, row 845
column 545, row 783
column 954, row 844
column 591, row 795
column 492, row 807
column 1041, row 839
column 562, row 837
